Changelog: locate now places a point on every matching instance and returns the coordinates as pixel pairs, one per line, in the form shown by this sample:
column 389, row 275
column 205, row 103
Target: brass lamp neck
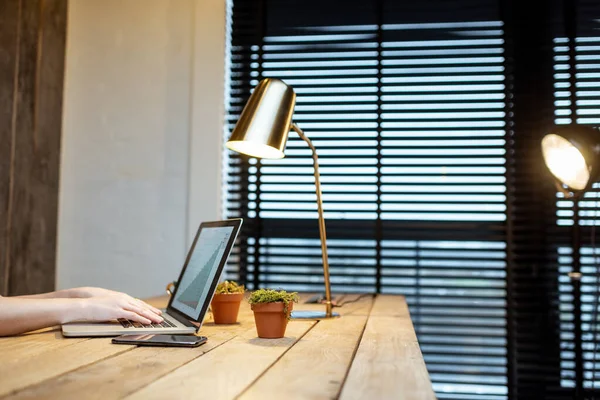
column 322, row 233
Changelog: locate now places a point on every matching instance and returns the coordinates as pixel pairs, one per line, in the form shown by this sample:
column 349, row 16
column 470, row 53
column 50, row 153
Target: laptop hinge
column 181, row 319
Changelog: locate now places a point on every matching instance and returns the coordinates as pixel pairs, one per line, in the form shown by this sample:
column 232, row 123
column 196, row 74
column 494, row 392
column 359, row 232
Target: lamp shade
column 263, row 127
column 571, row 154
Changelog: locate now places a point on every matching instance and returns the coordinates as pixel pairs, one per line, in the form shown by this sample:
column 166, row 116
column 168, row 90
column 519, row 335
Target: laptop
column 190, row 300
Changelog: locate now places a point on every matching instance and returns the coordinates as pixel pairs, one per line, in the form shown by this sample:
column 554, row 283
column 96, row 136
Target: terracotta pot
column 270, row 319
column 225, row 307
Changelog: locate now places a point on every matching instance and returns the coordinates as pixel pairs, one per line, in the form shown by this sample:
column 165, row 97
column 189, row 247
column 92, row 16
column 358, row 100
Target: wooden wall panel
column 31, row 205
column 9, row 26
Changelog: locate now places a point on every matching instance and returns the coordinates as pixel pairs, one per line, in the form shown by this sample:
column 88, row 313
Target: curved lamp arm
column 322, row 233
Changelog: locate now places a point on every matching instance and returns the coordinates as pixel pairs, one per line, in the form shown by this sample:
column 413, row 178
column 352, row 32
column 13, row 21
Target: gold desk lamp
column 262, row 132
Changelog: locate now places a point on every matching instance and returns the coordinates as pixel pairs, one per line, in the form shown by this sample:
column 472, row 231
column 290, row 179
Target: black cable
column 362, row 296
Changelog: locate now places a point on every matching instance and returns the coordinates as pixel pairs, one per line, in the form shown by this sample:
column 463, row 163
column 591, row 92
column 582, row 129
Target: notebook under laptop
column 190, row 300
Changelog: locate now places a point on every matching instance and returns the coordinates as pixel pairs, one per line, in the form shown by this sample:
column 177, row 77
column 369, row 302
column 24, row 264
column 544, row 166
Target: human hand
column 89, row 291
column 119, row 305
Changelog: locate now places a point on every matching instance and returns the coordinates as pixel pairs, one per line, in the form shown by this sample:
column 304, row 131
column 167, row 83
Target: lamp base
column 312, row 315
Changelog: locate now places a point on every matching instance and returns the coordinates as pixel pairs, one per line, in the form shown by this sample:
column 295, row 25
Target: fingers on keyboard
column 125, row 323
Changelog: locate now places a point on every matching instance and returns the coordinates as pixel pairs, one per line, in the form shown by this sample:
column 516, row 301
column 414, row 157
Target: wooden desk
column 369, row 353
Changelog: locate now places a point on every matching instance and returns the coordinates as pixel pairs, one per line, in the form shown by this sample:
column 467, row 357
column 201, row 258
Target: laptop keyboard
column 126, row 323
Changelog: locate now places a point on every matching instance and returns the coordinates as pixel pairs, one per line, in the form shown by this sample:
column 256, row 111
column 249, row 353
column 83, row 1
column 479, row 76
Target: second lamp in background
column 572, row 154
column 262, row 132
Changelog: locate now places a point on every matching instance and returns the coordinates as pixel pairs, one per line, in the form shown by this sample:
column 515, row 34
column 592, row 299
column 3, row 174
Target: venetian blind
column 587, row 107
column 405, row 103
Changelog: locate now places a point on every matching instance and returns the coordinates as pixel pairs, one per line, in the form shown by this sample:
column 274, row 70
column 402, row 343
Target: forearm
column 59, row 294
column 18, row 314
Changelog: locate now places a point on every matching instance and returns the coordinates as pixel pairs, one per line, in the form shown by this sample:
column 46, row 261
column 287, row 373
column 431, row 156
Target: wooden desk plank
column 227, row 371
column 391, row 306
column 130, row 370
column 31, row 345
column 33, row 357
column 131, row 366
column 311, row 362
column 19, row 374
column 316, row 366
column 388, row 363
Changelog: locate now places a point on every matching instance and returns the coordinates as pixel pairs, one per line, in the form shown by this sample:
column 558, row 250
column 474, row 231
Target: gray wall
column 141, row 154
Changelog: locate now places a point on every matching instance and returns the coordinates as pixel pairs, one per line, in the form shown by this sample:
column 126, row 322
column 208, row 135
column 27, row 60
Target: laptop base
column 79, row 329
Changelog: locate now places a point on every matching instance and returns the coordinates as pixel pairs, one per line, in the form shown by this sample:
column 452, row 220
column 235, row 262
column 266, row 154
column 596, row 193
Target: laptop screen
column 207, row 255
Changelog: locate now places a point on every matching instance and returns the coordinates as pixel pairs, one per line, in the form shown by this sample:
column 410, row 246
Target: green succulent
column 228, row 287
column 273, row 296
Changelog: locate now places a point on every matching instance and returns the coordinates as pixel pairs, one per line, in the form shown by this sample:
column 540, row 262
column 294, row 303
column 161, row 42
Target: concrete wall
column 142, row 134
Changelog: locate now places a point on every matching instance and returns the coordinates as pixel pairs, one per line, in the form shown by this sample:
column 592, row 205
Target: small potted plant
column 225, row 304
column 272, row 309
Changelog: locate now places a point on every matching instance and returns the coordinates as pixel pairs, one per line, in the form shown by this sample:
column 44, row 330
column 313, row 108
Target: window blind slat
column 408, row 117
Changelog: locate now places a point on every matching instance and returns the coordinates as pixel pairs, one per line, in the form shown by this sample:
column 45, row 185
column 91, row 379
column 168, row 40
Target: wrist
column 74, row 310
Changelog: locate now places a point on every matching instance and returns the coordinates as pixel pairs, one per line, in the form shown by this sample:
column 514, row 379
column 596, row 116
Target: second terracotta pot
column 270, row 319
column 225, row 307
